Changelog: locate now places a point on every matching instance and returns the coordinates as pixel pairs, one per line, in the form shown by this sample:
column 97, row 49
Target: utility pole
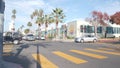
column 2, row 8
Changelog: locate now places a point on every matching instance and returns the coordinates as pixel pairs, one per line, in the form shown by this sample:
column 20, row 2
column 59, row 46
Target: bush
column 68, row 37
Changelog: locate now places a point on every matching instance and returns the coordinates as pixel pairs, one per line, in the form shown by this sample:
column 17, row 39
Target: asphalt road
column 42, row 54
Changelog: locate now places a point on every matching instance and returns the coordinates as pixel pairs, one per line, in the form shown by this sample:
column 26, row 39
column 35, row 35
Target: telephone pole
column 2, row 8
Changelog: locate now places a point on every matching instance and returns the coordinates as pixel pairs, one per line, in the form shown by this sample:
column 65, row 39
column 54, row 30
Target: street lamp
column 2, row 8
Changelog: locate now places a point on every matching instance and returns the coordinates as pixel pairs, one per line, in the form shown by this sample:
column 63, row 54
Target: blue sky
column 73, row 9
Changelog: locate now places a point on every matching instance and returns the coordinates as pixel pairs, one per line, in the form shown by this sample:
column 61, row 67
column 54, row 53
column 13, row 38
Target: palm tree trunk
column 56, row 29
column 45, row 32
column 46, row 25
column 56, row 34
column 95, row 28
column 39, row 31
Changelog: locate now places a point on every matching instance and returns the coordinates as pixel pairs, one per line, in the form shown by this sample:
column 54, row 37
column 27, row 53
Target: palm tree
column 26, row 31
column 47, row 20
column 13, row 18
column 21, row 27
column 14, row 14
column 58, row 16
column 39, row 22
column 29, row 24
column 39, row 19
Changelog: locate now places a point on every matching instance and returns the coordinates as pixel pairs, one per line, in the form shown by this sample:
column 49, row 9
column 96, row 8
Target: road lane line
column 44, row 62
column 89, row 54
column 105, row 48
column 69, row 57
column 101, row 51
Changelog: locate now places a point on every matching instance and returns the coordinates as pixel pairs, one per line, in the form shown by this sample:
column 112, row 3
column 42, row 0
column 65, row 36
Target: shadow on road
column 19, row 50
column 38, row 57
column 38, row 63
column 17, row 58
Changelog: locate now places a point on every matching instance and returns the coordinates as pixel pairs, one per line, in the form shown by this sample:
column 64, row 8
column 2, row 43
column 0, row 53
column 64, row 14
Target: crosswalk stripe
column 7, row 48
column 101, row 51
column 45, row 63
column 8, row 45
column 89, row 54
column 69, row 57
column 105, row 48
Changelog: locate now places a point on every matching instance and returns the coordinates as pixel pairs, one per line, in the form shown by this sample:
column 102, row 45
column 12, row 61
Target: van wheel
column 16, row 42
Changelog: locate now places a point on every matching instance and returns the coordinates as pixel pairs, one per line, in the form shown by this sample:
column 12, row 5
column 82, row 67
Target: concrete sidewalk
column 100, row 40
column 11, row 65
column 115, row 42
column 112, row 42
column 107, row 40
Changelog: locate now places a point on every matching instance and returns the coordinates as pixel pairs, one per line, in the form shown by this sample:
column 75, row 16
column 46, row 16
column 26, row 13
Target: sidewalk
column 11, row 65
column 100, row 40
column 112, row 42
column 107, row 40
column 115, row 42
column 6, row 52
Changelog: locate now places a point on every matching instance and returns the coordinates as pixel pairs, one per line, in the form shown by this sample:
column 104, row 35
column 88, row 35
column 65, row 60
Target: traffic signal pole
column 2, row 7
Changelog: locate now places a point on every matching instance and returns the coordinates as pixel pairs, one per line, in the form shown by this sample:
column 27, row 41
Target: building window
column 87, row 29
column 99, row 29
column 117, row 30
column 81, row 28
column 109, row 30
column 90, row 29
column 114, row 30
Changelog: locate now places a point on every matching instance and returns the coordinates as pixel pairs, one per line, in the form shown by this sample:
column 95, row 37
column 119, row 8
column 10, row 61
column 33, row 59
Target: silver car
column 86, row 38
column 30, row 37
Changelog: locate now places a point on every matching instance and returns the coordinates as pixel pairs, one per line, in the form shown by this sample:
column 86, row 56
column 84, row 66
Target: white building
column 79, row 28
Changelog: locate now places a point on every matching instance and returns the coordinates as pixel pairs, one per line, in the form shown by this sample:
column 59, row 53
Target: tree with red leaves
column 115, row 18
column 98, row 18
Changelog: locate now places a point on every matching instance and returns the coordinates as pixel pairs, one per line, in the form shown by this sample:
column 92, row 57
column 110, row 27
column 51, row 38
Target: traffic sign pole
column 2, row 7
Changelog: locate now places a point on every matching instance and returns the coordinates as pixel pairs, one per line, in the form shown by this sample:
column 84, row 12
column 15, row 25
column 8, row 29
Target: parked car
column 24, row 37
column 13, row 37
column 30, row 37
column 37, row 37
column 42, row 38
column 86, row 38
